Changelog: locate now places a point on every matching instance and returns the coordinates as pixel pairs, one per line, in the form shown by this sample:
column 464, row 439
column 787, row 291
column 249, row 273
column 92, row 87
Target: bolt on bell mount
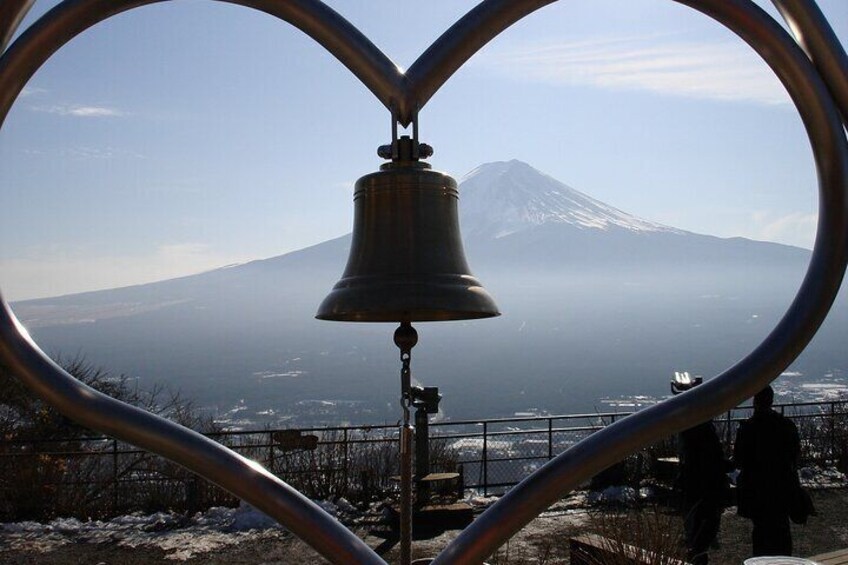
column 406, row 260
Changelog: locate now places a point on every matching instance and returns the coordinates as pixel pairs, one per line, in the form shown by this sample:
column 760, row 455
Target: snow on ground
column 179, row 537
column 818, row 477
column 182, row 538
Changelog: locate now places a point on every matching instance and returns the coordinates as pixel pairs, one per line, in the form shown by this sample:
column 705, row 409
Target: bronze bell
column 406, row 259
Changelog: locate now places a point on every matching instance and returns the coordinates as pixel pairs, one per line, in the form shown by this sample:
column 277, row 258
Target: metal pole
column 422, row 452
column 485, row 459
column 809, row 91
column 729, row 433
column 406, row 432
column 814, row 33
column 271, row 452
column 550, row 438
column 12, row 12
column 405, row 338
column 345, row 465
column 833, row 432
column 242, row 477
column 114, row 476
column 782, row 346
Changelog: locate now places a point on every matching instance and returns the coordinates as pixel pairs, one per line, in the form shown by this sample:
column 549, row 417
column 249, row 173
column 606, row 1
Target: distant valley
column 599, row 307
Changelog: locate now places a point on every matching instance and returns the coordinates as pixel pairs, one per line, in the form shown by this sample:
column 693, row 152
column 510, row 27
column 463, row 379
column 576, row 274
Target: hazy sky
column 191, row 134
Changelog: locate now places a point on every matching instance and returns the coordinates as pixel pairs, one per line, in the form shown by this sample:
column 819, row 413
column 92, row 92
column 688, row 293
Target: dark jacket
column 703, row 468
column 766, row 453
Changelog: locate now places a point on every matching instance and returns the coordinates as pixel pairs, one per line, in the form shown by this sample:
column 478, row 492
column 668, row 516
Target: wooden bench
column 441, row 484
column 591, row 549
column 838, row 557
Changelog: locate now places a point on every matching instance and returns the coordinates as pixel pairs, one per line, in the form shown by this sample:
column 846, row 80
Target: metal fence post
column 271, row 452
column 833, row 433
column 485, row 459
column 345, row 455
column 729, row 424
column 114, row 476
column 550, row 438
column 306, row 468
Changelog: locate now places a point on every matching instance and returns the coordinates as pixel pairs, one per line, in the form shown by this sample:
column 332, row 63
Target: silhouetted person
column 766, row 452
column 704, row 488
column 702, row 480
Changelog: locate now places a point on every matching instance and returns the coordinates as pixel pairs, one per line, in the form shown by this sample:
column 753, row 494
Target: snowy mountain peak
column 505, row 197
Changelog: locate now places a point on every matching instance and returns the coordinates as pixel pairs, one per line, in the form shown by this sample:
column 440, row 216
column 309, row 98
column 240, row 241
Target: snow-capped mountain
column 513, row 216
column 595, row 301
column 505, row 197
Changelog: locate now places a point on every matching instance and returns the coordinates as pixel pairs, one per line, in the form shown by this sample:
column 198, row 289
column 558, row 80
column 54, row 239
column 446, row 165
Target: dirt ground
column 544, row 541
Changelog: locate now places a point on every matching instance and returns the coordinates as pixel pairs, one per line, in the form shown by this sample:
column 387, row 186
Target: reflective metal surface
column 459, row 43
column 406, row 259
column 246, row 479
column 11, row 14
column 604, row 448
column 321, row 23
column 404, row 95
column 813, row 32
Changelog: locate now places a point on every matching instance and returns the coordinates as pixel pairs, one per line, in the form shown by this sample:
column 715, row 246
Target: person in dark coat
column 704, row 488
column 703, row 482
column 766, row 452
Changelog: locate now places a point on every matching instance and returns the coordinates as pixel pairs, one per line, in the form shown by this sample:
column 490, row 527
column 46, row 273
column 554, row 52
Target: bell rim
column 363, row 299
column 417, row 317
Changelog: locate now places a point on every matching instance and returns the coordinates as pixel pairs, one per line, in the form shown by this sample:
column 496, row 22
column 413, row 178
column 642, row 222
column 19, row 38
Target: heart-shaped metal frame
column 812, row 88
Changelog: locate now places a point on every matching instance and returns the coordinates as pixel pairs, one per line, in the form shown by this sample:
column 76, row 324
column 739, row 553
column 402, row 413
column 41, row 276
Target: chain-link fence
column 95, row 477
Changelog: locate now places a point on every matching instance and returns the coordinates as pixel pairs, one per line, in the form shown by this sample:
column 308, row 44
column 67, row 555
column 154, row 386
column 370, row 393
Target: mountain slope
column 515, row 217
column 595, row 302
column 506, row 197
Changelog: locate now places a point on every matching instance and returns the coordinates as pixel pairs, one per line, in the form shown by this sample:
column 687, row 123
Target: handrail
column 830, row 404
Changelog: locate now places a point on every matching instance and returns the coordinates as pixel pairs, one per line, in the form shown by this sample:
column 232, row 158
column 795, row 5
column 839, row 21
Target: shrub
column 651, row 532
column 50, row 466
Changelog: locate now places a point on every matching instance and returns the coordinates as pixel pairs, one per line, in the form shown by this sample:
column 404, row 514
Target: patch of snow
column 817, row 477
column 614, row 494
column 180, row 537
column 502, row 198
column 247, row 518
column 329, row 508
column 273, row 375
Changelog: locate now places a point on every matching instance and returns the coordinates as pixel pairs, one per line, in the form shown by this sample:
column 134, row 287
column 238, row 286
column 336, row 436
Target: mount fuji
column 596, row 303
column 503, row 198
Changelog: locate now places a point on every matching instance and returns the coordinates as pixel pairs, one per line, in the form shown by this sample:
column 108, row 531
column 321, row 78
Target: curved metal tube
column 405, row 95
column 246, row 479
column 813, row 32
column 12, row 12
column 70, row 18
column 456, row 45
column 347, row 44
column 815, row 296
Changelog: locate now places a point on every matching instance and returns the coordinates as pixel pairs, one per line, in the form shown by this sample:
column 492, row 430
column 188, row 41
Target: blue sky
column 188, row 135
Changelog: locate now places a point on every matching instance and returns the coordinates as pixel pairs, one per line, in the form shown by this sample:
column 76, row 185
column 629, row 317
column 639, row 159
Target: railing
column 110, row 477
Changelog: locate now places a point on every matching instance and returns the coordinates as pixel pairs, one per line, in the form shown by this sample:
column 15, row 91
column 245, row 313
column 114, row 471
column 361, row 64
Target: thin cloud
column 81, row 111
column 717, row 71
column 31, row 91
column 796, row 228
column 61, row 270
column 85, row 153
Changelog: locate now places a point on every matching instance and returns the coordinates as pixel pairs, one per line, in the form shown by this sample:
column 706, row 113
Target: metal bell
column 406, row 259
